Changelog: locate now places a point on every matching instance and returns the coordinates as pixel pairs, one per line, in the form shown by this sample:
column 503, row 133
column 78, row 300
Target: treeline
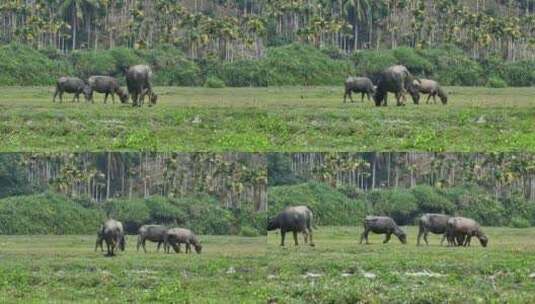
column 343, row 206
column 495, row 188
column 293, row 64
column 52, row 213
column 236, row 180
column 234, row 29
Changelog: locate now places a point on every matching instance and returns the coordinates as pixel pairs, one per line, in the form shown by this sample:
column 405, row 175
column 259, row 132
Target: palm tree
column 78, row 10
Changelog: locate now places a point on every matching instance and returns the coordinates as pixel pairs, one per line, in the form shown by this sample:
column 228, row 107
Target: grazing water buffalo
column 105, row 85
column 138, row 83
column 176, row 236
column 462, row 229
column 398, row 80
column 432, row 88
column 70, row 85
column 294, row 219
column 113, row 234
column 153, row 233
column 361, row 85
column 382, row 225
column 434, row 223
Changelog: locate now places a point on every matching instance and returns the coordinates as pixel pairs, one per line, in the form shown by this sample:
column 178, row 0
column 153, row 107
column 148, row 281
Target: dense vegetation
column 293, row 64
column 341, row 207
column 51, row 213
column 496, row 188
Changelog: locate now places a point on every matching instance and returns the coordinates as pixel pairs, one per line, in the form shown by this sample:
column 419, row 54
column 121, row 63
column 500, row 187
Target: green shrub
column 88, row 63
column 243, row 73
column 248, row 231
column 171, row 67
column 298, row 64
column 372, row 62
column 23, row 65
column 399, row 204
column 162, row 211
column 519, row 222
column 496, row 82
column 416, row 63
column 204, row 215
column 520, row 74
column 132, row 213
column 329, row 206
column 429, row 200
column 47, row 214
column 451, row 66
column 214, row 83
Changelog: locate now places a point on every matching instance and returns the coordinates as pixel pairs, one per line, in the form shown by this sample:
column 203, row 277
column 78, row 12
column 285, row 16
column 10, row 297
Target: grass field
column 65, row 269
column 268, row 119
column 339, row 270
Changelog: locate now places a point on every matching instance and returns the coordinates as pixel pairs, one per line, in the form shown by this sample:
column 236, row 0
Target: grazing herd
column 137, row 80
column 458, row 231
column 113, row 234
column 397, row 80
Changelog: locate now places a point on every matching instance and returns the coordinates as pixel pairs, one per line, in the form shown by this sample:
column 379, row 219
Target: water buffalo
column 382, row 225
column 294, row 219
column 138, row 83
column 398, row 80
column 153, row 233
column 462, row 229
column 176, row 236
column 432, row 88
column 361, row 85
column 113, row 234
column 105, row 85
column 70, row 85
column 434, row 223
column 100, row 240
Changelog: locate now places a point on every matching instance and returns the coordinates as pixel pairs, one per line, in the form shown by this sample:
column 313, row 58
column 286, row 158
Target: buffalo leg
column 468, row 241
column 55, row 94
column 305, row 235
column 442, row 240
column 345, row 96
column 159, row 245
column 362, row 97
column 138, row 243
column 369, row 98
column 113, row 97
column 425, row 237
column 364, row 235
column 311, row 242
column 387, row 238
column 420, row 232
column 106, row 98
column 428, row 98
column 295, row 238
column 188, row 248
column 385, row 101
column 283, row 235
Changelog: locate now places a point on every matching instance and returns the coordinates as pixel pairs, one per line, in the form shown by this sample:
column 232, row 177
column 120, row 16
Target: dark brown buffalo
column 138, row 82
column 461, row 230
column 153, row 233
column 382, row 225
column 398, row 80
column 105, row 85
column 361, row 85
column 434, row 223
column 297, row 219
column 70, row 85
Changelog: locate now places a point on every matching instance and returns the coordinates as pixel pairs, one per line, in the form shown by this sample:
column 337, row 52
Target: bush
column 416, row 63
column 88, row 63
column 373, row 62
column 519, row 222
column 496, row 82
column 162, row 211
column 243, row 73
column 399, row 204
column 47, row 214
column 203, row 215
column 298, row 64
column 132, row 213
column 520, row 74
column 23, row 65
column 248, row 231
column 214, row 83
column 429, row 200
column 171, row 67
column 453, row 67
column 330, row 206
